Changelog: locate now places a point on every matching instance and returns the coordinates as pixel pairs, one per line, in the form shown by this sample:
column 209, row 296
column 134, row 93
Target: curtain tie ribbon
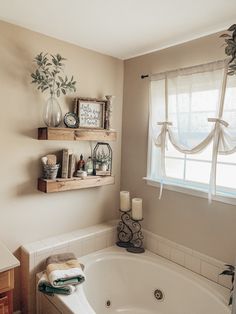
column 164, row 123
column 223, row 122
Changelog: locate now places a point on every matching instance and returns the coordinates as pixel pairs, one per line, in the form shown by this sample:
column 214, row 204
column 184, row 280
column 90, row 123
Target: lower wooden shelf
column 58, row 185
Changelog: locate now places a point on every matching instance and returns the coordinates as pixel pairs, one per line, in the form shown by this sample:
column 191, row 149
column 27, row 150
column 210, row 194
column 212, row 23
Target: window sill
column 192, row 190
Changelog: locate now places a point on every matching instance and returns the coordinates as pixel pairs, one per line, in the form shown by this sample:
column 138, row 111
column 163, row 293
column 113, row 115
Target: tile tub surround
column 197, row 262
column 80, row 242
column 88, row 240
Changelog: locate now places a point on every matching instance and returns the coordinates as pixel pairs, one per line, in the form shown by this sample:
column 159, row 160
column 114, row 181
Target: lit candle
column 137, row 208
column 124, row 201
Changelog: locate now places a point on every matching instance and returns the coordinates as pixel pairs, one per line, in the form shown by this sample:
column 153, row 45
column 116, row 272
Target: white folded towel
column 65, row 277
column 64, row 269
column 45, row 287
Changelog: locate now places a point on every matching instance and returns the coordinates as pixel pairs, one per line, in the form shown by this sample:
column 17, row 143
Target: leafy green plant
column 230, row 49
column 49, row 75
column 230, row 271
column 102, row 157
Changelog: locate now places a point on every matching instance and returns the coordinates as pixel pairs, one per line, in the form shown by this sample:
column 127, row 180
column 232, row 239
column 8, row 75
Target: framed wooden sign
column 91, row 113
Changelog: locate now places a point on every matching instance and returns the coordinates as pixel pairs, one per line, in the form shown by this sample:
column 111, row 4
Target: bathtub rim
column 220, row 292
column 217, row 291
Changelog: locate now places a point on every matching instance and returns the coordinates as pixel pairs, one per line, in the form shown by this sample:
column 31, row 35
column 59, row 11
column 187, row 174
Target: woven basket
column 50, row 171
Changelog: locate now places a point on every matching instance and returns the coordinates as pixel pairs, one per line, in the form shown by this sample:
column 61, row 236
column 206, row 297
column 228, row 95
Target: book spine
column 65, row 163
column 71, row 165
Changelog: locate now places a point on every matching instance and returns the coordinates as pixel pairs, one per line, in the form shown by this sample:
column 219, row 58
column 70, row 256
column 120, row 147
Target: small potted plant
column 230, row 49
column 49, row 76
column 103, row 160
column 230, row 271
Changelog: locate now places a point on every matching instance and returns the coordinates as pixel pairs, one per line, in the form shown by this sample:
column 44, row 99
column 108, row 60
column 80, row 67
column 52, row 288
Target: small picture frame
column 91, row 112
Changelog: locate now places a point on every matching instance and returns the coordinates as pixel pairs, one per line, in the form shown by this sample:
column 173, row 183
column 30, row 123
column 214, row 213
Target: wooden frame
column 91, row 112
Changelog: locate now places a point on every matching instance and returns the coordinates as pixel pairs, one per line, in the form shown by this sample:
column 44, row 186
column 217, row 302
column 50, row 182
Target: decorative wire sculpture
column 102, row 159
column 137, row 238
column 124, row 230
column 129, row 234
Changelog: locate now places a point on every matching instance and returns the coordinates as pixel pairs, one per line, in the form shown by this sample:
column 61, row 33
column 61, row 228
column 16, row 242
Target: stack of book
column 68, row 164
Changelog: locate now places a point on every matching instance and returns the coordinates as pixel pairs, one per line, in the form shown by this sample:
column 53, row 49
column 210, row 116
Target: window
column 192, row 129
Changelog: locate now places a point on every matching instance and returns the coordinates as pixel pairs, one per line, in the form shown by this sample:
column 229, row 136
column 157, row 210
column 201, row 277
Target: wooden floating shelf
column 58, row 185
column 67, row 134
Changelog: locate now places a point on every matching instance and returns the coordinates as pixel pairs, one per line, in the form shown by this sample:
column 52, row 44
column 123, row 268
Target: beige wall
column 26, row 214
column 188, row 220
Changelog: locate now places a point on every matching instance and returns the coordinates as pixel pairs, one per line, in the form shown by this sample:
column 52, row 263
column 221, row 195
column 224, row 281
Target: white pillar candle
column 137, row 208
column 124, row 201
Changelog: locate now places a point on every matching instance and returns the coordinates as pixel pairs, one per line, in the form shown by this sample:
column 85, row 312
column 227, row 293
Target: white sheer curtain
column 194, row 107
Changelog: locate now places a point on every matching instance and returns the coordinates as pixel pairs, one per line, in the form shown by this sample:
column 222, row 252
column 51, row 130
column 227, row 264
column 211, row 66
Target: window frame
column 191, row 190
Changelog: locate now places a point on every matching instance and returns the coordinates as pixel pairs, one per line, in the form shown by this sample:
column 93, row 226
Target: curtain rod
column 143, row 76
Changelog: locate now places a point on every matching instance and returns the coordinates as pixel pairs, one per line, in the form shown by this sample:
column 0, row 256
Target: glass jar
column 89, row 166
column 52, row 114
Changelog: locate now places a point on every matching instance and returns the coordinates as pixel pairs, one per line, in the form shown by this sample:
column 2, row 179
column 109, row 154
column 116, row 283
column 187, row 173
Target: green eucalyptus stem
column 49, row 75
column 52, row 92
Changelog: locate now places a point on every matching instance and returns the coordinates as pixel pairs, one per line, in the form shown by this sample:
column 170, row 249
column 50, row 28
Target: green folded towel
column 61, row 282
column 44, row 286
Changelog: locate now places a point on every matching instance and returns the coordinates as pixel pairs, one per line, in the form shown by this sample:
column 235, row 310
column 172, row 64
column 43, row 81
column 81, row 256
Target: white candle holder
column 129, row 233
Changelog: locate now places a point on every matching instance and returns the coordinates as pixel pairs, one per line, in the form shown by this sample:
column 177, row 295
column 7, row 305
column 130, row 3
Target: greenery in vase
column 49, row 75
column 230, row 49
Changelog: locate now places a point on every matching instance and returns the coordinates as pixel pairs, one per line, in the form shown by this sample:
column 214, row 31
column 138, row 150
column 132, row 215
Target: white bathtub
column 128, row 282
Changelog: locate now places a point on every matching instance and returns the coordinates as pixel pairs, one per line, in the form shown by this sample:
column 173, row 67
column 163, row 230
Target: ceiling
column 121, row 28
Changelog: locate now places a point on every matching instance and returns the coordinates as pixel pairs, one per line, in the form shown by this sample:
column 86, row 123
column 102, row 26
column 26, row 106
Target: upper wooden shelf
column 67, row 134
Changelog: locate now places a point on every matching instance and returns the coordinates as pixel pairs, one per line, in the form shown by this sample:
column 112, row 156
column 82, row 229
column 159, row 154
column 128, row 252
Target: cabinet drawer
column 6, row 280
column 4, row 305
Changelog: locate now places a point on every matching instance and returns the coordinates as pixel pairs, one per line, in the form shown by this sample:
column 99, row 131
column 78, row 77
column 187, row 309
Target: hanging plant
column 49, row 75
column 230, row 271
column 230, row 49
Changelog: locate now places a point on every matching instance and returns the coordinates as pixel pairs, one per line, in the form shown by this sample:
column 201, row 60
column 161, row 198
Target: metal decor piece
column 137, row 238
column 129, row 234
column 124, row 230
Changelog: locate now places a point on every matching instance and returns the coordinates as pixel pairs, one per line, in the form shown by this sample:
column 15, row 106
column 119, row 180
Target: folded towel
column 44, row 286
column 64, row 269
